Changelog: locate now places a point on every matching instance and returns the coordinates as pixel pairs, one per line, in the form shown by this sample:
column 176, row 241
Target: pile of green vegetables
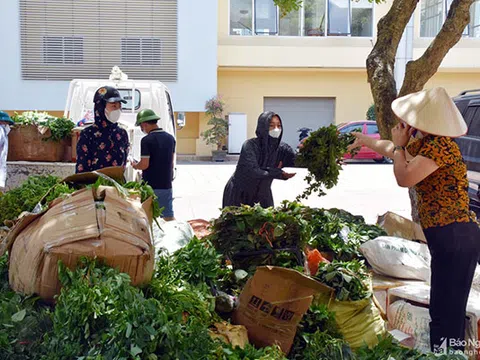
column 48, row 188
column 339, row 232
column 322, row 154
column 60, row 128
column 29, row 194
column 350, row 280
column 100, row 316
column 254, row 236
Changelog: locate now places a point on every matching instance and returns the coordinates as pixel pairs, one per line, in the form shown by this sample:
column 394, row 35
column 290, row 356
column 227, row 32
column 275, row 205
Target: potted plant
column 217, row 133
column 39, row 136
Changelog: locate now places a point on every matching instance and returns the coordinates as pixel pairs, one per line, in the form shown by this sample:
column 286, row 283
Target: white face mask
column 275, row 133
column 113, row 116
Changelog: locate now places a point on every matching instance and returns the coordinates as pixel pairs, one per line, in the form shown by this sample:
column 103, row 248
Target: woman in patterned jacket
column 104, row 143
column 427, row 159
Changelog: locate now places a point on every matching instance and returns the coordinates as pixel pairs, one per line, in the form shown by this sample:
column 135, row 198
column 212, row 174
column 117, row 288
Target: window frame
column 302, row 23
column 446, row 8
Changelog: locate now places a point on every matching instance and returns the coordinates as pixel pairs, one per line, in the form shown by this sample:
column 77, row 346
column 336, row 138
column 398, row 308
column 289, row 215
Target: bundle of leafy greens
column 60, row 128
column 350, row 280
column 338, row 231
column 322, row 154
column 28, row 195
column 139, row 188
column 254, row 236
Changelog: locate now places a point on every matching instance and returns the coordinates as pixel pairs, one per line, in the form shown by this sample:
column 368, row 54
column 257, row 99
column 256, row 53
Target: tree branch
column 381, row 62
column 418, row 72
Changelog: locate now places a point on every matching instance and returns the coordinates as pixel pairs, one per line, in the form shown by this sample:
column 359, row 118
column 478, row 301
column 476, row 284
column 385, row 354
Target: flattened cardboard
column 116, row 230
column 396, row 225
column 273, row 303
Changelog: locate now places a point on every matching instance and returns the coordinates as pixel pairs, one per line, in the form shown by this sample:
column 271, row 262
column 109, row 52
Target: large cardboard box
column 101, row 223
column 273, row 303
column 396, row 225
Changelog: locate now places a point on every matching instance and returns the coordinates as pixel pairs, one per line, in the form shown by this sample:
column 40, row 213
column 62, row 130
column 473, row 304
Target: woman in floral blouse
column 104, row 143
column 426, row 158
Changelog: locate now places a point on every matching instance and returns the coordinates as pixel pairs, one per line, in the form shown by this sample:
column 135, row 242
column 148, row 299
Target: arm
column 248, row 160
column 286, row 155
column 409, row 173
column 144, row 162
column 83, row 153
column 383, row 147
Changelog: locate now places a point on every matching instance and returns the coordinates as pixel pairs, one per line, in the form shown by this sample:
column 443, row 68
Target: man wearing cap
column 427, row 158
column 157, row 154
column 103, row 144
column 5, row 123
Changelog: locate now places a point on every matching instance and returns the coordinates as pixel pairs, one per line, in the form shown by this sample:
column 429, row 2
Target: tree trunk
column 380, row 62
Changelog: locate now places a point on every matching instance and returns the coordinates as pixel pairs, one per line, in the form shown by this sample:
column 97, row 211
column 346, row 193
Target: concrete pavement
column 364, row 188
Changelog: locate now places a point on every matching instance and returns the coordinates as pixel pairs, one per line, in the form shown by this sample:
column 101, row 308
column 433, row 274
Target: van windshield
column 127, row 95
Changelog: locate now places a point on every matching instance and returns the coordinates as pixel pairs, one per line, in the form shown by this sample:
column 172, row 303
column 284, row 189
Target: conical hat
column 431, row 111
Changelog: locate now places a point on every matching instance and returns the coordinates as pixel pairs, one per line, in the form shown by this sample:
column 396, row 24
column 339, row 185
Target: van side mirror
column 181, row 120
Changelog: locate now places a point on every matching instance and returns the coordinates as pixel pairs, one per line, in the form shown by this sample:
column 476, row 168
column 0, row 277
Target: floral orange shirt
column 443, row 195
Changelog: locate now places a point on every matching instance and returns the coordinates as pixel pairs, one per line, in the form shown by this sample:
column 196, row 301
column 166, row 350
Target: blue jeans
column 165, row 201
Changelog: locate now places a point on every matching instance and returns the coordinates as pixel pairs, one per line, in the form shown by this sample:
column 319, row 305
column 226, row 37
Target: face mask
column 113, row 116
column 275, row 133
column 417, row 134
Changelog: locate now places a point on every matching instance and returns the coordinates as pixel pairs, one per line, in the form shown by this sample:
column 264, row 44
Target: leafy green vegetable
column 26, row 196
column 322, row 154
column 317, row 319
column 340, row 232
column 60, row 128
column 350, row 280
column 322, row 346
column 254, row 236
column 388, row 348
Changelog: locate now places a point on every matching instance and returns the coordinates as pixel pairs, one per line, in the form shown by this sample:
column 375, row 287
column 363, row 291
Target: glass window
column 372, row 129
column 431, row 17
column 241, row 21
column 362, row 18
column 265, row 17
column 314, row 17
column 338, row 17
column 351, row 128
column 127, row 96
column 475, row 20
column 290, row 24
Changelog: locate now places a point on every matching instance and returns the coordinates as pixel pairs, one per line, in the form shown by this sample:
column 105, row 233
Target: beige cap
column 431, row 111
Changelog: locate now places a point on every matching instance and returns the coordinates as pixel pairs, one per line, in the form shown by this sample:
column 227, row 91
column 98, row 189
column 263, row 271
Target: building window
column 141, row 51
column 289, row 25
column 340, row 17
column 314, row 12
column 362, row 18
column 265, row 17
column 431, row 17
column 434, row 12
column 241, row 19
column 62, row 50
column 474, row 28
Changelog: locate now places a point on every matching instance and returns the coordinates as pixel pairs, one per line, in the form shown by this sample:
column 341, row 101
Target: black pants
column 455, row 250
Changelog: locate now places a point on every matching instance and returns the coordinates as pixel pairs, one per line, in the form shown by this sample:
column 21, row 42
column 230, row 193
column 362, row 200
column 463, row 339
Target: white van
column 139, row 94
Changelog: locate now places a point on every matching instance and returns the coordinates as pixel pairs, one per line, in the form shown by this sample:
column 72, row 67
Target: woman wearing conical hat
column 427, row 158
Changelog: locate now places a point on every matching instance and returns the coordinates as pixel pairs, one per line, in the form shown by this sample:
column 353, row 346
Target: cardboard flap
column 396, row 225
column 114, row 172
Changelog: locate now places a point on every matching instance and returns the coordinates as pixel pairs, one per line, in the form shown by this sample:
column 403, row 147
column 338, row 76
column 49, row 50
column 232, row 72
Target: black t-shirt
column 159, row 146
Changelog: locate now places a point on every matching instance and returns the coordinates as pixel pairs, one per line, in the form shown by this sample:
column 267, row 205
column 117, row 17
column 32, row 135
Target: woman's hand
column 401, row 134
column 358, row 143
